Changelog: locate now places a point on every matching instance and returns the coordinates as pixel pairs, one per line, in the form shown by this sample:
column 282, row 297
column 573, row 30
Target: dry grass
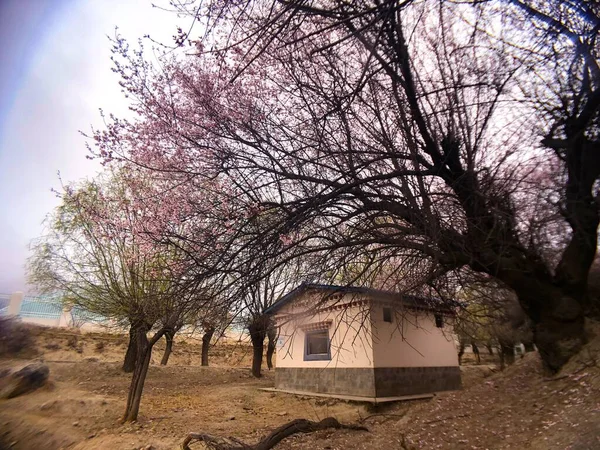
column 518, row 409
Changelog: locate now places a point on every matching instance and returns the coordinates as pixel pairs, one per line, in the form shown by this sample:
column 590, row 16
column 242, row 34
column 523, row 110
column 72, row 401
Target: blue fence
column 4, row 301
column 41, row 307
column 49, row 307
column 80, row 315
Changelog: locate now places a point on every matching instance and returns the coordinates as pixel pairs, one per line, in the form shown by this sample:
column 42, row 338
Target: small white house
column 363, row 342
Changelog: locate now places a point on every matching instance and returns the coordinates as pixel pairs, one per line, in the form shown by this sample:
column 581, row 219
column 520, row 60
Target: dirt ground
column 519, row 408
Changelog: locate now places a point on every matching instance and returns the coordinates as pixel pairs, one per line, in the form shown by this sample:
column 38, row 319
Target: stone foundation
column 368, row 382
column 359, row 381
column 398, row 381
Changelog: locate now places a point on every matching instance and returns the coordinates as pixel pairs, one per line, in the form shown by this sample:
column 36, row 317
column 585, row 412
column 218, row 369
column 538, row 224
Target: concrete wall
column 14, row 305
column 412, row 340
column 64, row 321
column 349, row 332
column 45, row 322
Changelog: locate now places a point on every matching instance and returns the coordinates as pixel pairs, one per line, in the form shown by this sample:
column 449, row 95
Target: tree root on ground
column 276, row 436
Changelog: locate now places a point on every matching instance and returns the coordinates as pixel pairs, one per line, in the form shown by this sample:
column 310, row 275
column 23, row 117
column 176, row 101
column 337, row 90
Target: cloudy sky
column 54, row 76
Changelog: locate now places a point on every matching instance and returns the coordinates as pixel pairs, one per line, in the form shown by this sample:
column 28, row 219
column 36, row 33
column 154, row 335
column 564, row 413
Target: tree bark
column 274, row 438
column 271, row 341
column 560, row 334
column 168, row 348
column 507, row 351
column 258, row 331
column 476, row 352
column 136, row 387
column 557, row 318
column 257, row 356
column 206, row 338
column 554, row 308
column 553, row 300
column 131, row 354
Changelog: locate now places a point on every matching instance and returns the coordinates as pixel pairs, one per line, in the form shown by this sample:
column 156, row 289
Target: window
column 387, row 315
column 439, row 321
column 316, row 346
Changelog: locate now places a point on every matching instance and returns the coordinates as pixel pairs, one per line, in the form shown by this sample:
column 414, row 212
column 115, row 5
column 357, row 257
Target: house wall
column 369, row 357
column 349, row 332
column 412, row 355
column 350, row 370
column 412, row 340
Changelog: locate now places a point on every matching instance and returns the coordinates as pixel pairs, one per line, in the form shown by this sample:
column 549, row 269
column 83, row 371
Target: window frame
column 317, row 356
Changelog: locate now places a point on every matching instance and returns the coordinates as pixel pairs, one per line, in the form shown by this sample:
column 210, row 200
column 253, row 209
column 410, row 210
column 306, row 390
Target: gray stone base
column 359, row 382
column 392, row 381
column 368, row 382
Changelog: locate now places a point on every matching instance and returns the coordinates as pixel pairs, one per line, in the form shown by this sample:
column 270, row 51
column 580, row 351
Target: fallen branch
column 276, row 436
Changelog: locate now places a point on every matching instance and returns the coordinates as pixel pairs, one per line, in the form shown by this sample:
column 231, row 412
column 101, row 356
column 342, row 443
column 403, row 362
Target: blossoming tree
column 399, row 129
column 107, row 249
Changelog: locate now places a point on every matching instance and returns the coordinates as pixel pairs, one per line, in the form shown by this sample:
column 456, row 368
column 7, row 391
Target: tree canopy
column 462, row 136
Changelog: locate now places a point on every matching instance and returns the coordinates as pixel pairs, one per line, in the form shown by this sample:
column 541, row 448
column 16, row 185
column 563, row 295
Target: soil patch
column 519, row 408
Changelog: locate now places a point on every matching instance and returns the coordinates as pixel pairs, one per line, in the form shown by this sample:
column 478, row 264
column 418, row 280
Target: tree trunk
column 560, row 334
column 168, row 348
column 144, row 352
column 206, row 338
column 555, row 309
column 272, row 339
column 258, row 331
column 257, row 356
column 507, row 351
column 131, row 354
column 461, row 352
column 476, row 352
column 558, row 323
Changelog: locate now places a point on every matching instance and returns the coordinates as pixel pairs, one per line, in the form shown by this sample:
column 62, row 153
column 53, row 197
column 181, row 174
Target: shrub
column 14, row 337
column 99, row 347
column 72, row 342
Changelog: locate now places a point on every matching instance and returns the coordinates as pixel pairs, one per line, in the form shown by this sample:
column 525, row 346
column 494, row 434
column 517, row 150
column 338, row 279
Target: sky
column 55, row 74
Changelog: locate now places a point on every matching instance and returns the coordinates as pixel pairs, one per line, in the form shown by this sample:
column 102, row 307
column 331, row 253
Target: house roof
column 408, row 300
